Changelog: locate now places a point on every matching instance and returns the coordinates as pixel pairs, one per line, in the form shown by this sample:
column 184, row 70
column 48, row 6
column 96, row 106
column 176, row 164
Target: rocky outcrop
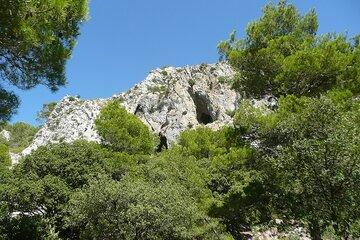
column 276, row 229
column 71, row 119
column 169, row 101
column 6, row 135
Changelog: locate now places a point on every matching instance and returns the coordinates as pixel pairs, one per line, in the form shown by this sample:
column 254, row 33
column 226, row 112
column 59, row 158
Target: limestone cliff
column 169, row 101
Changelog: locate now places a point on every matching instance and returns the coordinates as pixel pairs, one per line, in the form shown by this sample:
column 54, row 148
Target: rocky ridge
column 169, row 101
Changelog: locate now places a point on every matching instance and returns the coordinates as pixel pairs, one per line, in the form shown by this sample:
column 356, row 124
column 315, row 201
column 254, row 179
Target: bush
column 314, row 145
column 21, row 134
column 4, row 156
column 123, row 131
column 136, row 209
column 43, row 181
column 74, row 163
column 283, row 54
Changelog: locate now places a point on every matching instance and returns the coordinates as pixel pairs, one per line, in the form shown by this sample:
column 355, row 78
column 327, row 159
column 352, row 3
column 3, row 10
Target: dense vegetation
column 283, row 54
column 21, row 135
column 299, row 162
column 36, row 39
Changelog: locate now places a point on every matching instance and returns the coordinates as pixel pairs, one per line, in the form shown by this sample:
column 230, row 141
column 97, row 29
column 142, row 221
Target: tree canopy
column 294, row 167
column 283, row 54
column 123, row 131
column 310, row 148
column 36, row 39
column 21, row 136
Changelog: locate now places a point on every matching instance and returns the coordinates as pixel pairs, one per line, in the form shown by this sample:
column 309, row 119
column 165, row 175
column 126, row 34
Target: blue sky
column 124, row 40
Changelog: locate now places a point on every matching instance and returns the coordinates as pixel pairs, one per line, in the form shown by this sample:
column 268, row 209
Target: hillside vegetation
column 296, row 166
column 20, row 136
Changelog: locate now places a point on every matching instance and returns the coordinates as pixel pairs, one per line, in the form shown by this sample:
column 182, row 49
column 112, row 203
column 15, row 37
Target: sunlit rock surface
column 169, row 101
column 5, row 135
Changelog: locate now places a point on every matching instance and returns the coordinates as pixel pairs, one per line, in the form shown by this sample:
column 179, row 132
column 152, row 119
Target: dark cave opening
column 203, row 107
column 139, row 109
column 163, row 143
column 204, row 118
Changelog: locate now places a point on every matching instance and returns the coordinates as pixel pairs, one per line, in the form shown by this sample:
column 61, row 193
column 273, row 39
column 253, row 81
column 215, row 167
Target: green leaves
column 75, row 163
column 314, row 158
column 42, row 183
column 36, row 39
column 281, row 54
column 298, row 162
column 8, row 104
column 135, row 209
column 21, row 135
column 4, row 156
column 124, row 132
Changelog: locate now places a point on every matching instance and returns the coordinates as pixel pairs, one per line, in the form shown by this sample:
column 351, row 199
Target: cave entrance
column 204, row 118
column 163, row 143
column 204, row 111
column 139, row 110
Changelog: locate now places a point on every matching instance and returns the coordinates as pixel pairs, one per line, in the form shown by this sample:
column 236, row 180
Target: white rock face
column 15, row 158
column 5, row 135
column 174, row 99
column 169, row 101
column 71, row 119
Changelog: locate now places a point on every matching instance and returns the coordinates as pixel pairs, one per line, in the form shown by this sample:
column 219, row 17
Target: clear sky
column 125, row 39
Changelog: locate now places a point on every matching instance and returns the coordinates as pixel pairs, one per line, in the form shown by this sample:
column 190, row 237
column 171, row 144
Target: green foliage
column 228, row 166
column 230, row 113
column 201, row 142
column 21, row 135
column 224, row 80
column 9, row 102
column 4, row 156
column 314, row 158
column 123, row 131
column 36, row 39
column 44, row 114
column 5, row 163
column 111, row 194
column 134, row 209
column 282, row 54
column 74, row 163
column 174, row 166
column 299, row 162
column 247, row 117
column 44, row 180
column 355, row 229
column 5, row 172
column 161, row 90
column 73, row 99
column 191, row 82
column 164, row 73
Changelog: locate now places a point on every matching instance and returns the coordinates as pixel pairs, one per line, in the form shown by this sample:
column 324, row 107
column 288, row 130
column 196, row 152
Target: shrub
column 4, row 155
column 43, row 181
column 135, row 209
column 157, row 89
column 123, row 131
column 22, row 135
column 191, row 82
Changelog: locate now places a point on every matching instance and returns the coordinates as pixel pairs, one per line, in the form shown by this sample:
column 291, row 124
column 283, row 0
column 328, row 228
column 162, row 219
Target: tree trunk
column 347, row 232
column 315, row 230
